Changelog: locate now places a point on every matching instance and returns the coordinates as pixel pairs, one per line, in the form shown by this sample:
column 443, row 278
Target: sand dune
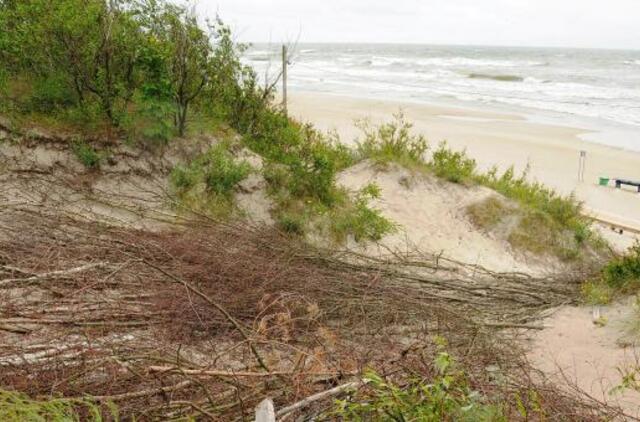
column 501, row 139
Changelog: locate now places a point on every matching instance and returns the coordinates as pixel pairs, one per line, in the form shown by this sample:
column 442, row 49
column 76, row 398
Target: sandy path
column 497, row 139
column 576, row 350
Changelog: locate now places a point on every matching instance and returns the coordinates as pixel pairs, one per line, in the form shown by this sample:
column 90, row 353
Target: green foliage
column 16, row 407
column 392, row 142
column 549, row 223
column 292, row 223
column 453, row 166
column 624, row 272
column 222, row 173
column 619, row 276
column 87, row 155
column 446, row 397
column 208, row 183
column 358, row 219
column 145, row 64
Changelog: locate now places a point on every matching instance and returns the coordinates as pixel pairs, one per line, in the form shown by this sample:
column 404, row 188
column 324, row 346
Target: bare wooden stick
column 143, row 393
column 53, row 274
column 218, row 373
column 320, row 396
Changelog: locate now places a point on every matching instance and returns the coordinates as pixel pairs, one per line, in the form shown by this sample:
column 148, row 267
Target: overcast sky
column 571, row 23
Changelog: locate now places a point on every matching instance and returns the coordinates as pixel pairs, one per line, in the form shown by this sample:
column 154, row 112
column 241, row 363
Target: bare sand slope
column 577, row 351
column 431, row 215
column 497, row 139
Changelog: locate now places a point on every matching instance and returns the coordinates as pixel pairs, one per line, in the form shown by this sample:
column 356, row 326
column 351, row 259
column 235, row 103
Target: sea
column 598, row 90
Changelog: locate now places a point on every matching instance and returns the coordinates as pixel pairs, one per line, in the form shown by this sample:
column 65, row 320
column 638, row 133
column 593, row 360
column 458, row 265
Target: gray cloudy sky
column 576, row 23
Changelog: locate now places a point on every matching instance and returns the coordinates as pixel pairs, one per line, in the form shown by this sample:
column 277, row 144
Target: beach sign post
column 582, row 163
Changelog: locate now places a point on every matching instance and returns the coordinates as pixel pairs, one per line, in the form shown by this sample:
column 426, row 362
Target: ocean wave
column 384, row 61
column 500, row 78
column 632, row 62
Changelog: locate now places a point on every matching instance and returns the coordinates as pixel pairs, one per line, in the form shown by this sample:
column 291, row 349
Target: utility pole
column 285, row 62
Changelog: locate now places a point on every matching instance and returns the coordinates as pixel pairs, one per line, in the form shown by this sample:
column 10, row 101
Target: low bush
column 392, row 142
column 619, row 276
column 208, row 183
column 624, row 272
column 222, row 173
column 358, row 219
column 453, row 166
column 446, row 397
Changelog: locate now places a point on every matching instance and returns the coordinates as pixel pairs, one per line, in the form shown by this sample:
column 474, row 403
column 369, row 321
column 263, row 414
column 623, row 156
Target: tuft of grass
column 87, row 155
column 293, row 224
column 392, row 142
column 489, row 213
column 19, row 407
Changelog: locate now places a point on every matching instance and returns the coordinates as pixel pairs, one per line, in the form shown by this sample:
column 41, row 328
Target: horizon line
column 633, row 49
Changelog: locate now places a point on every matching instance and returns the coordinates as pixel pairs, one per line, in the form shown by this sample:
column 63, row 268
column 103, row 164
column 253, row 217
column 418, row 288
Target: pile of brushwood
column 207, row 320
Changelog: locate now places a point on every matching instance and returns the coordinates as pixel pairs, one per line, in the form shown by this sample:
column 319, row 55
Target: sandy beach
column 497, row 138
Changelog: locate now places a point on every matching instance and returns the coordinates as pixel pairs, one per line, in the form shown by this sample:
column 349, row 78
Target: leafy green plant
column 221, row 172
column 87, row 155
column 392, row 142
column 453, row 166
column 359, row 220
column 446, row 397
column 208, row 183
column 624, row 272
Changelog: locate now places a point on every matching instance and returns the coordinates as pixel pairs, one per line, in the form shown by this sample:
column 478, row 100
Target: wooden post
column 284, row 78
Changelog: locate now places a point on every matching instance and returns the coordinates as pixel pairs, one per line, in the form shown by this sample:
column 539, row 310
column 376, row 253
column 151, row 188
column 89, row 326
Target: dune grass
column 620, row 276
column 548, row 223
column 17, row 407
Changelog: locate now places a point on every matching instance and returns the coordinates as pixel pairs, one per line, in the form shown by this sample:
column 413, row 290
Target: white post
column 582, row 165
column 265, row 412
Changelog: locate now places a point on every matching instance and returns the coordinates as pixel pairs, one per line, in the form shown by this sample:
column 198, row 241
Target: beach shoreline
column 496, row 137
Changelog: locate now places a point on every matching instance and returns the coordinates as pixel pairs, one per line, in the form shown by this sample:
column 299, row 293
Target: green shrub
column 87, row 155
column 359, row 220
column 624, row 272
column 208, row 183
column 392, row 142
column 446, row 397
column 222, row 173
column 453, row 166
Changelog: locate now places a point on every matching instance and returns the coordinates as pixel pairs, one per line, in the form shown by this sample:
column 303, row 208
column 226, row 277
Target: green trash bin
column 604, row 181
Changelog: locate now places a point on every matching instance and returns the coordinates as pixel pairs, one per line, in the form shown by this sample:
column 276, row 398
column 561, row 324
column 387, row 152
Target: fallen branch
column 53, row 274
column 143, row 393
column 320, row 396
column 217, row 373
